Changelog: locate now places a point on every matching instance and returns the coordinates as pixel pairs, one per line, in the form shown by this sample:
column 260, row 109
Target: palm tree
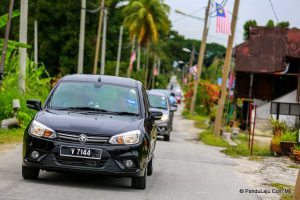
column 146, row 20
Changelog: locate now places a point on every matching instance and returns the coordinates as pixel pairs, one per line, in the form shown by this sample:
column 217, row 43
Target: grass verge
column 287, row 191
column 11, row 136
column 241, row 149
column 201, row 121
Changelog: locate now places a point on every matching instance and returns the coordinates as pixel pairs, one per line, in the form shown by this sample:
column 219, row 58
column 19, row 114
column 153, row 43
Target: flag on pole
column 193, row 70
column 231, row 80
column 132, row 59
column 155, row 72
column 223, row 23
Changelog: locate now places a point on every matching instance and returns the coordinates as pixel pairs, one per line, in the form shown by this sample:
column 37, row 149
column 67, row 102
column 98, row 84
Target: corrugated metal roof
column 267, row 49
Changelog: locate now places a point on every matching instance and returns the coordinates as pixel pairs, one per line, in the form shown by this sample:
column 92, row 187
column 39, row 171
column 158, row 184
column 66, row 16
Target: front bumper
column 112, row 160
column 163, row 127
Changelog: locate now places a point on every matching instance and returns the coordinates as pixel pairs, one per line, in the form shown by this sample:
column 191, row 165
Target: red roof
column 267, row 50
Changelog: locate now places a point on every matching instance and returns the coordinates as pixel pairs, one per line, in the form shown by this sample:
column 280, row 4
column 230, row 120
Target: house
column 267, row 69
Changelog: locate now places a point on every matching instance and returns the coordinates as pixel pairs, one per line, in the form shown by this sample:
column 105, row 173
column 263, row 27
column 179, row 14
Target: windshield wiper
column 159, row 107
column 81, row 109
column 125, row 113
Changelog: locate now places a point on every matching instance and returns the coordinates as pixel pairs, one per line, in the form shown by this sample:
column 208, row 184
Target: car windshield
column 157, row 101
column 88, row 96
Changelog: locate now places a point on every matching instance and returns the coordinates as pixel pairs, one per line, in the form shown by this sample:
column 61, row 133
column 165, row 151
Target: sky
column 260, row 10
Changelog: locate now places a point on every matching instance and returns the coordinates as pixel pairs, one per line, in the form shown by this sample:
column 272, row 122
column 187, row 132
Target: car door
column 150, row 123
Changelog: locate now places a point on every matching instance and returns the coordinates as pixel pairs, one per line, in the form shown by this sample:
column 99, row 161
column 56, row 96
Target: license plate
column 79, row 152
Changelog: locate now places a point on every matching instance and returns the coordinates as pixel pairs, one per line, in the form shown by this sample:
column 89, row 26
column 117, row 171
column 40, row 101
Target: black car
column 92, row 124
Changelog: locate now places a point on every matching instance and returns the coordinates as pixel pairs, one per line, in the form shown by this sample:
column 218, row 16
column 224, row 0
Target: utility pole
column 35, row 42
column 220, row 110
column 5, row 43
column 23, row 39
column 297, row 187
column 81, row 38
column 191, row 64
column 158, row 65
column 98, row 37
column 200, row 58
column 102, row 70
column 119, row 50
column 138, row 67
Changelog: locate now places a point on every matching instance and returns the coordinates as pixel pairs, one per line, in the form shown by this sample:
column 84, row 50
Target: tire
column 139, row 182
column 150, row 166
column 166, row 137
column 30, row 173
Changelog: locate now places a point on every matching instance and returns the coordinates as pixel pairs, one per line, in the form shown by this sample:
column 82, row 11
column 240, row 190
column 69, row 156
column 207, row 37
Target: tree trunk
column 138, row 58
column 147, row 65
column 5, row 42
column 132, row 49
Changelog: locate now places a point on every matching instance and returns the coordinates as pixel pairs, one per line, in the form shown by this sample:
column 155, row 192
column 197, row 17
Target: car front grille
column 74, row 137
column 82, row 162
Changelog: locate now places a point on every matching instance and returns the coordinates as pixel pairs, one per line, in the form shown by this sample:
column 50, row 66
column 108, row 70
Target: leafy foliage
column 283, row 24
column 37, row 87
column 290, row 136
column 145, row 19
column 247, row 26
column 207, row 96
column 270, row 24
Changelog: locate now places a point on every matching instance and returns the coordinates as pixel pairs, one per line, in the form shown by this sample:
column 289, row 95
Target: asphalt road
column 184, row 169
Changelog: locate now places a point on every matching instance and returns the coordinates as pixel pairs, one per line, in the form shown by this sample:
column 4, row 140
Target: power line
column 181, row 18
column 274, row 10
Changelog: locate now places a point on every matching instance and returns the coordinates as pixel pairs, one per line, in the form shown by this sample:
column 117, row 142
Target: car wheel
column 166, row 137
column 30, row 172
column 150, row 166
column 139, row 182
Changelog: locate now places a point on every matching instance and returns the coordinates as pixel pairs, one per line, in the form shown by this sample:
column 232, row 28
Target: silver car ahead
column 159, row 102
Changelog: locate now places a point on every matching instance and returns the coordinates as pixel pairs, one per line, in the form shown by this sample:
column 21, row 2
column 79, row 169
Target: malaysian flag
column 193, row 70
column 132, row 59
column 155, row 71
column 223, row 24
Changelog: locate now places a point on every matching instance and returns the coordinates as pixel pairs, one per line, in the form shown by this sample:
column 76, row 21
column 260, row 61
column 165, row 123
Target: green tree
column 270, row 24
column 247, row 25
column 284, row 24
column 146, row 20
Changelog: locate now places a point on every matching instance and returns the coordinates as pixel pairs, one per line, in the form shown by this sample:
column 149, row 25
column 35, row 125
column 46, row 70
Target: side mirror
column 173, row 108
column 34, row 104
column 156, row 115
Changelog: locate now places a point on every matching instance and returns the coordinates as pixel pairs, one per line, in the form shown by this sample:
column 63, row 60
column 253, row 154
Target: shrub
column 289, row 136
column 37, row 87
column 207, row 97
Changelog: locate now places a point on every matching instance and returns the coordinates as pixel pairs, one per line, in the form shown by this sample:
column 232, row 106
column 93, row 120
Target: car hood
column 164, row 112
column 98, row 124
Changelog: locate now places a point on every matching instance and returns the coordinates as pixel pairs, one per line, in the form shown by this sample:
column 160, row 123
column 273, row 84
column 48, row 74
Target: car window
column 109, row 97
column 157, row 101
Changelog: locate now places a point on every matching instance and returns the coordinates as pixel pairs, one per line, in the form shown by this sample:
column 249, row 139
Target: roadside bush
column 37, row 87
column 207, row 96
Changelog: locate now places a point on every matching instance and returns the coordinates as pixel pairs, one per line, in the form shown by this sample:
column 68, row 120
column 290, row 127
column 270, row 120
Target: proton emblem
column 82, row 138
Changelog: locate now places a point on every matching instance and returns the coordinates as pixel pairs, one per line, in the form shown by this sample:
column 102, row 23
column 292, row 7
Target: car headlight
column 164, row 117
column 40, row 130
column 131, row 137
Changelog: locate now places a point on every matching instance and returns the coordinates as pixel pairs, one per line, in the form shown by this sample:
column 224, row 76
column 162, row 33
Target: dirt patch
column 263, row 173
column 5, row 147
